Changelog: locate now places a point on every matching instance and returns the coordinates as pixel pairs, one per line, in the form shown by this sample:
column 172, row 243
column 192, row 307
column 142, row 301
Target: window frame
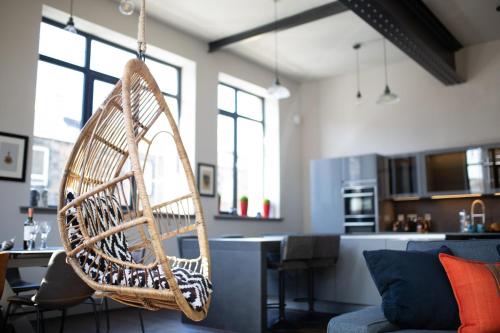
column 234, row 116
column 89, row 75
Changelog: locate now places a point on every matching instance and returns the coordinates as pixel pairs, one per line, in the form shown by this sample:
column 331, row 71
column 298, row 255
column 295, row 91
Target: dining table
column 19, row 258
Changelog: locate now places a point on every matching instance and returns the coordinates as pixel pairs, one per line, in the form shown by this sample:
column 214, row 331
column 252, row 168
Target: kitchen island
column 240, row 277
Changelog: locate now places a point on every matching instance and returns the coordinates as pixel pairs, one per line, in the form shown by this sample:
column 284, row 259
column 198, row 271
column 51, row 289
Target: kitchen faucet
column 473, row 214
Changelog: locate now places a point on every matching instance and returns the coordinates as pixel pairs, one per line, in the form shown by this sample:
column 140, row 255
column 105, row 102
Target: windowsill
column 247, row 218
column 40, row 210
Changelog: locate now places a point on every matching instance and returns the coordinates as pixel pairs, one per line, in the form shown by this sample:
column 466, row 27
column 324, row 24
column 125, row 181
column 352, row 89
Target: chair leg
column 38, row 321
column 281, row 296
column 6, row 319
column 140, row 319
column 63, row 318
column 106, row 309
column 42, row 321
column 96, row 316
column 310, row 289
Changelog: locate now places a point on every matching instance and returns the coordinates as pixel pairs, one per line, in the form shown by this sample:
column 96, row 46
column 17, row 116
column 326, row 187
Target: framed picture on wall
column 13, row 155
column 206, row 179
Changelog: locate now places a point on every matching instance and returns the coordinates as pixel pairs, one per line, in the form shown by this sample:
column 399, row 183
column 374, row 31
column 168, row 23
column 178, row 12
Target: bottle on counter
column 28, row 225
column 463, row 218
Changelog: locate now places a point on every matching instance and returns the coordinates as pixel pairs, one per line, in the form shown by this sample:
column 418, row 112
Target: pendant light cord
column 71, row 8
column 276, row 71
column 385, row 62
column 357, row 69
column 141, row 32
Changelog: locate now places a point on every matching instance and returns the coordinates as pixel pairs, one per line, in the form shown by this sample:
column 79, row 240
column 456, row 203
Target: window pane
column 59, row 96
column 225, row 98
column 249, row 106
column 225, row 161
column 225, row 134
column 165, row 76
column 61, row 44
column 49, row 160
column 251, row 163
column 101, row 91
column 107, row 59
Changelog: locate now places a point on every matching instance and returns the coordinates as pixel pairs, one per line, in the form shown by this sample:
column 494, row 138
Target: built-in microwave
column 360, row 213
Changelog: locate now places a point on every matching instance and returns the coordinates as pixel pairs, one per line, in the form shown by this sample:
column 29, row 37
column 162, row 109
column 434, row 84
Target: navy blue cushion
column 414, row 287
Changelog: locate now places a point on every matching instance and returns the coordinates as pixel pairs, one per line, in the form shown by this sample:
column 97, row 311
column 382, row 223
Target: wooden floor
column 127, row 321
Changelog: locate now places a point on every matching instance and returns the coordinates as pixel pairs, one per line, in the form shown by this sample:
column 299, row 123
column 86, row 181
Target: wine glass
column 33, row 232
column 44, row 233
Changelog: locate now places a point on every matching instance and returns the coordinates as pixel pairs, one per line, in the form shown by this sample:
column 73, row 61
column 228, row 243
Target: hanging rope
column 141, row 32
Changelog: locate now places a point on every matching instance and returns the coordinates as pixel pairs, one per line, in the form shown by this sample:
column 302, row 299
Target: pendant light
column 70, row 25
column 126, row 7
column 356, row 47
column 387, row 97
column 277, row 90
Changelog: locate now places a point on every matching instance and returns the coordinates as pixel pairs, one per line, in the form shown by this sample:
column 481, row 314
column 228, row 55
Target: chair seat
column 22, row 286
column 21, row 300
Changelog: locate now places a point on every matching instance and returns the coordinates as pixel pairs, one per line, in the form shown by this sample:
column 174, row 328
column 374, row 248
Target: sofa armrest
column 369, row 320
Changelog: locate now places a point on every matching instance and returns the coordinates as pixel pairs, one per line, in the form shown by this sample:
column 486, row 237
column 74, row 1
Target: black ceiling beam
column 307, row 16
column 412, row 27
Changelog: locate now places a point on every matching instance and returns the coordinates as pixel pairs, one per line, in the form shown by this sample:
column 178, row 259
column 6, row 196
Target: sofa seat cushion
column 415, row 290
column 368, row 320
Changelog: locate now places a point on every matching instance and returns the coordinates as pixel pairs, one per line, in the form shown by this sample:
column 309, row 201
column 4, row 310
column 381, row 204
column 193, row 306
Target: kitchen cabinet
column 361, row 168
column 458, row 171
column 327, row 215
column 404, row 176
column 493, row 169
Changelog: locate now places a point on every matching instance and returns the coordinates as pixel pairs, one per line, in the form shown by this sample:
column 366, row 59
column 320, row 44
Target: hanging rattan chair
column 106, row 217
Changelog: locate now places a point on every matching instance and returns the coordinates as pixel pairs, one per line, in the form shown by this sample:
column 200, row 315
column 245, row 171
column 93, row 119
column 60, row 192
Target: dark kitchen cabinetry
column 455, row 172
column 404, row 176
column 493, row 168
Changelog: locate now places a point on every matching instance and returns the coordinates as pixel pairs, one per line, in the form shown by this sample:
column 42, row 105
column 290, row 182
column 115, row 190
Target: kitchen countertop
column 421, row 236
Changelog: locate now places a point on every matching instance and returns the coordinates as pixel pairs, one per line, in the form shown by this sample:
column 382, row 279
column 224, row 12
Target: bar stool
column 295, row 253
column 325, row 254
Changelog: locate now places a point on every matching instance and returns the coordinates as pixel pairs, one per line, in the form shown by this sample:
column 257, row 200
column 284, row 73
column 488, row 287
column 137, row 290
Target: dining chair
column 60, row 289
column 295, row 252
column 17, row 284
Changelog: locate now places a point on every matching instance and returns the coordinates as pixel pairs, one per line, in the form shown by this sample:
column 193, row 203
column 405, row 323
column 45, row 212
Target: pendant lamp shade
column 277, row 90
column 70, row 25
column 387, row 97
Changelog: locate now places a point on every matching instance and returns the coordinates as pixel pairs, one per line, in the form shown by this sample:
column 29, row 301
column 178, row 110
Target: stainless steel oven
column 360, row 212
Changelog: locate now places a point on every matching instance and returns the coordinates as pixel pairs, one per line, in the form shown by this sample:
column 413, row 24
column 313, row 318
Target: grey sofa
column 372, row 320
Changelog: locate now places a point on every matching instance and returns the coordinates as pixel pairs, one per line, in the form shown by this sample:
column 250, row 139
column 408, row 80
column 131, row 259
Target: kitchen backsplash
column 444, row 211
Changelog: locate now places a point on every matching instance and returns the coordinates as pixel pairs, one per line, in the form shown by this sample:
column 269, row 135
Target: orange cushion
column 476, row 286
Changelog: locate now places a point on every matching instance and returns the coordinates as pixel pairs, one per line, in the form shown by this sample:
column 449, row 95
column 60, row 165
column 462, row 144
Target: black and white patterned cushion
column 104, row 210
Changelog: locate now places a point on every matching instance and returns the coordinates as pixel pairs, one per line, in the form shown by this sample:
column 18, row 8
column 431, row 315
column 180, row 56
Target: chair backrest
column 473, row 249
column 4, row 259
column 326, row 247
column 61, row 286
column 297, row 247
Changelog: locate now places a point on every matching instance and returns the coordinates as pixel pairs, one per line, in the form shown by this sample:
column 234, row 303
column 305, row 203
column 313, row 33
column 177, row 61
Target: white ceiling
column 470, row 21
column 321, row 48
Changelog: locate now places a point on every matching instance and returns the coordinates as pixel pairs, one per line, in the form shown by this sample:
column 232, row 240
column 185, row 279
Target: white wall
column 429, row 115
column 19, row 27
